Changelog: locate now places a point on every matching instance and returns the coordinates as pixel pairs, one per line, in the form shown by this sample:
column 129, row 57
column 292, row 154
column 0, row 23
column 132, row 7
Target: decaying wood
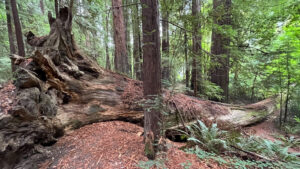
column 60, row 89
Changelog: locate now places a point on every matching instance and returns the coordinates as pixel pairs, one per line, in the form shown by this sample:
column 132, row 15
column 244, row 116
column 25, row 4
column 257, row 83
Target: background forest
column 235, row 51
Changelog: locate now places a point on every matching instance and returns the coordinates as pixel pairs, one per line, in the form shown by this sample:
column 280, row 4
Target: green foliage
column 159, row 163
column 290, row 141
column 211, row 139
column 267, row 148
column 186, row 165
column 5, row 71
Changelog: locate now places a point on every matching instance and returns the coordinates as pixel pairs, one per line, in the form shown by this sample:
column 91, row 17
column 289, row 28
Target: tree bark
column 196, row 68
column 12, row 47
column 220, row 61
column 127, row 34
column 165, row 42
column 107, row 64
column 18, row 29
column 42, row 6
column 121, row 57
column 187, row 64
column 151, row 73
column 137, row 54
column 287, row 88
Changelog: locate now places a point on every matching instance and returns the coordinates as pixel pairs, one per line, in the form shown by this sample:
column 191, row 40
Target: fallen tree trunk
column 60, row 89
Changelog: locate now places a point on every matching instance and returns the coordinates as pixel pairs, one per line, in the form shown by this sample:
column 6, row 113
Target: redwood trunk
column 12, row 47
column 137, row 53
column 107, row 64
column 165, row 45
column 220, row 61
column 18, row 29
column 121, row 57
column 151, row 73
column 196, row 68
column 187, row 64
column 127, row 34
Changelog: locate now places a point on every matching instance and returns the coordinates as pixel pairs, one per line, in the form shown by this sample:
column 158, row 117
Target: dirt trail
column 113, row 145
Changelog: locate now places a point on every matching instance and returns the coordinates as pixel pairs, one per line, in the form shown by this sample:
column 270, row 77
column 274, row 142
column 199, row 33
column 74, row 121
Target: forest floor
column 117, row 144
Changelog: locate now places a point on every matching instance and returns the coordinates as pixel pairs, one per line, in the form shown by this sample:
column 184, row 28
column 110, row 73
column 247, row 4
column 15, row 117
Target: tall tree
column 107, row 64
column 126, row 11
column 196, row 46
column 165, row 41
column 121, row 57
column 42, row 6
column 10, row 31
column 220, row 61
column 151, row 73
column 187, row 64
column 18, row 29
column 137, row 52
column 9, row 28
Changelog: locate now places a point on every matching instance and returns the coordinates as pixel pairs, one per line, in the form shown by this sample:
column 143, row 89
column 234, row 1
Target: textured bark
column 187, row 64
column 107, row 64
column 12, row 47
column 151, row 73
column 126, row 11
column 18, row 29
column 220, row 61
column 121, row 57
column 137, row 53
column 196, row 67
column 165, row 43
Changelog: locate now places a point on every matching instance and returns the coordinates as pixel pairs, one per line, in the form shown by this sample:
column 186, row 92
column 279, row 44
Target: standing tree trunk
column 220, row 61
column 12, row 47
column 196, row 47
column 121, row 57
column 187, row 64
column 287, row 88
column 127, row 34
column 137, row 54
column 18, row 29
column 107, row 64
column 42, row 6
column 151, row 74
column 165, row 42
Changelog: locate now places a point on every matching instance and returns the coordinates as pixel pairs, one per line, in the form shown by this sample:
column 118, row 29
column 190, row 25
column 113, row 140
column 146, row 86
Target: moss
column 76, row 124
column 258, row 113
column 149, row 150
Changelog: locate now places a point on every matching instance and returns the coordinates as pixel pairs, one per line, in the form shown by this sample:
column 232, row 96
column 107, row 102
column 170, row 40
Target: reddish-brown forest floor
column 114, row 145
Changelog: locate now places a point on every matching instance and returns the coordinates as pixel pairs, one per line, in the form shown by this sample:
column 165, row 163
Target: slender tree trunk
column 165, row 42
column 136, row 40
column 12, row 47
column 152, row 73
column 56, row 5
column 18, row 29
column 42, row 6
column 196, row 69
column 280, row 114
column 253, row 86
column 187, row 64
column 288, row 88
column 121, row 57
column 127, row 33
column 107, row 65
column 220, row 61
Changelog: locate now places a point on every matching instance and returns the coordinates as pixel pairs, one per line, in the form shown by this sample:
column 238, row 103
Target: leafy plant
column 210, row 139
column 152, row 163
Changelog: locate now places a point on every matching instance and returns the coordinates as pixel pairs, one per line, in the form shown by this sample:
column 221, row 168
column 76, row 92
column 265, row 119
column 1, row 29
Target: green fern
column 210, row 139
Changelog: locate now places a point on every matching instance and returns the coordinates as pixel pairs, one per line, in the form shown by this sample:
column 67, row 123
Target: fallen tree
column 60, row 89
